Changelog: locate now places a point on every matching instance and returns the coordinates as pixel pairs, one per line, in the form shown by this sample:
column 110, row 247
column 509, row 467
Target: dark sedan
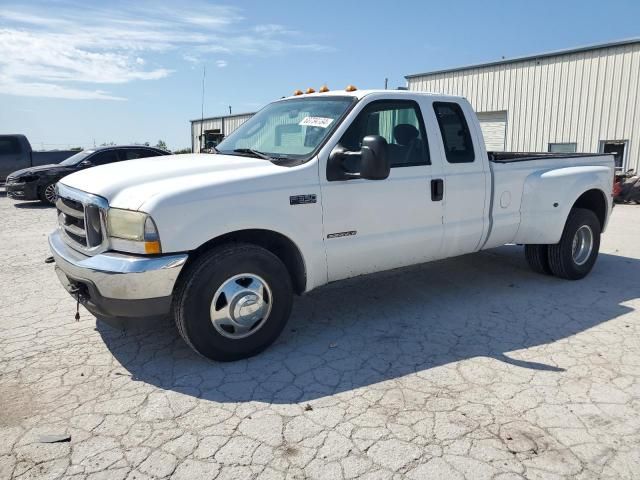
column 38, row 183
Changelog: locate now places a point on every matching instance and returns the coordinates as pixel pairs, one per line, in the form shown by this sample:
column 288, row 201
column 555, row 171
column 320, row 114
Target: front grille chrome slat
column 71, row 228
column 60, row 205
column 82, row 219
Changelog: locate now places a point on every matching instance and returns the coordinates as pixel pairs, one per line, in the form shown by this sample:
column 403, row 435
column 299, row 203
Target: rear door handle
column 437, row 189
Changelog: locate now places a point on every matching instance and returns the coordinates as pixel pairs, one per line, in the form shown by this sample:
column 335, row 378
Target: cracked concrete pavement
column 472, row 367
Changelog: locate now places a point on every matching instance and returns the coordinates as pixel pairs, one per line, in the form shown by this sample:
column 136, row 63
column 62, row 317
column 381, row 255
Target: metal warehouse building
column 209, row 131
column 583, row 99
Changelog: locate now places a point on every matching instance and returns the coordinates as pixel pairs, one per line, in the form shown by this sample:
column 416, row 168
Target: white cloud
column 35, row 89
column 61, row 49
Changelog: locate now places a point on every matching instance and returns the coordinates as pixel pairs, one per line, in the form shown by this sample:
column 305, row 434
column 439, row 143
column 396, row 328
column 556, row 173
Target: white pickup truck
column 315, row 188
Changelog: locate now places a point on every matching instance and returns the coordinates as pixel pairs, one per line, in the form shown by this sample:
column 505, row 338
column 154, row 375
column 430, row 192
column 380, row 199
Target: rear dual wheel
column 575, row 254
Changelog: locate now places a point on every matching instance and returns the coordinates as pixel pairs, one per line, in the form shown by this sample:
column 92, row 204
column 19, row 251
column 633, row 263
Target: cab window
column 399, row 123
column 458, row 146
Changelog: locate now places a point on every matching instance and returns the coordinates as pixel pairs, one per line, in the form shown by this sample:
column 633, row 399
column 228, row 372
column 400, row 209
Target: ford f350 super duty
column 315, row 188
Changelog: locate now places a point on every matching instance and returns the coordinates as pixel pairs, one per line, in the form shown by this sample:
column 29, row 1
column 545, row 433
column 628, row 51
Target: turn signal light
column 297, row 92
column 323, row 89
column 351, row 88
column 152, row 247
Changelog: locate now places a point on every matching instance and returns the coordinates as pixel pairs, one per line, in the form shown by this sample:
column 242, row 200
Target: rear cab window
column 9, row 146
column 456, row 137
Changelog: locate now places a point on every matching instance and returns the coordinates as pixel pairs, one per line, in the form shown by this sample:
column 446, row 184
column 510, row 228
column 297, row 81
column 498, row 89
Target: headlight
column 133, row 232
column 25, row 178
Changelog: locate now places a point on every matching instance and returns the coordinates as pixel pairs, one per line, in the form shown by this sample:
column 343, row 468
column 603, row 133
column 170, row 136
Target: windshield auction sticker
column 321, row 122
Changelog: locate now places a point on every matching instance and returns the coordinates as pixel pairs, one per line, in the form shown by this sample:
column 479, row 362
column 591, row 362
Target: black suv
column 38, row 183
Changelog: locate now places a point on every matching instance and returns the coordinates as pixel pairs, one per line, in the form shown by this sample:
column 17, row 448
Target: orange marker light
column 310, row 90
column 351, row 88
column 152, row 247
column 297, row 92
column 323, row 89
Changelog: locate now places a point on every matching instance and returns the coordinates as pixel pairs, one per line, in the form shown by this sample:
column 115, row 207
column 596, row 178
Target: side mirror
column 374, row 163
column 85, row 164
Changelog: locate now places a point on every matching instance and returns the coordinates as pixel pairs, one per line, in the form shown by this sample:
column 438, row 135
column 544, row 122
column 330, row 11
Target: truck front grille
column 81, row 217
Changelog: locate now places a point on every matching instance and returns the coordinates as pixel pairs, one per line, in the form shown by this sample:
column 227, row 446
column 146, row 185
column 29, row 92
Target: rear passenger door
column 374, row 225
column 465, row 178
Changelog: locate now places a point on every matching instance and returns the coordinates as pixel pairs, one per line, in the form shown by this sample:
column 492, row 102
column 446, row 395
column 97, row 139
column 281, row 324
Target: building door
column 494, row 130
column 617, row 148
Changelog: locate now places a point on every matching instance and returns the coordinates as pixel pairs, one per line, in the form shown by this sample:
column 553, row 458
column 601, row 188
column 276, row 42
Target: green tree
column 182, row 150
column 161, row 144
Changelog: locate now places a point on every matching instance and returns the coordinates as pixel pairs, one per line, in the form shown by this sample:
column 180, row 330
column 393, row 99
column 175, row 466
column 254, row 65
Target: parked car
column 312, row 189
column 38, row 183
column 16, row 154
column 627, row 187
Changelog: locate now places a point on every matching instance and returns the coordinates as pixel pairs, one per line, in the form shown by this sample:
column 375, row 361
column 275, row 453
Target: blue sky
column 72, row 73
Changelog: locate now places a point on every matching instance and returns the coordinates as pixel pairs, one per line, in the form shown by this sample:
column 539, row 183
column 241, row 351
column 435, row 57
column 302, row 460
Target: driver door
column 375, row 225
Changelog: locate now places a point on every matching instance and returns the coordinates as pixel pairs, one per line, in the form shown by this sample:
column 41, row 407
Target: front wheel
column 233, row 302
column 576, row 253
column 47, row 194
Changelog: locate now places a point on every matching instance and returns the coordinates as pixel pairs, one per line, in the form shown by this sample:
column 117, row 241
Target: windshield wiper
column 253, row 152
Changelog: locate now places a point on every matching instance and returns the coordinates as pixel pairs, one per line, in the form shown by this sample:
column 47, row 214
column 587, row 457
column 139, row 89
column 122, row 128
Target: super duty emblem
column 342, row 234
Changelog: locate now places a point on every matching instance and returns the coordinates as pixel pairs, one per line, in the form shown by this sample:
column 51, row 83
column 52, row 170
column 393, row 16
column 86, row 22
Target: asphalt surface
column 471, row 367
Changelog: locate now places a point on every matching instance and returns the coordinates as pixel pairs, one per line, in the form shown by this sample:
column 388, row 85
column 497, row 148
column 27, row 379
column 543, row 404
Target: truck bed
column 509, row 157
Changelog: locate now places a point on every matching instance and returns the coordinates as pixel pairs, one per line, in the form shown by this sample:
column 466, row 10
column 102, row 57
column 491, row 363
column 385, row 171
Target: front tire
column 576, row 253
column 47, row 194
column 233, row 302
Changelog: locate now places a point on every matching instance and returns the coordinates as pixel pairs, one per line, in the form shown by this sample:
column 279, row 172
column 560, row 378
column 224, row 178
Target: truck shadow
column 386, row 326
column 33, row 205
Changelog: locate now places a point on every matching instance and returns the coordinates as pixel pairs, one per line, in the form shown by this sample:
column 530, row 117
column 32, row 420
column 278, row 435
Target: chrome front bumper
column 115, row 284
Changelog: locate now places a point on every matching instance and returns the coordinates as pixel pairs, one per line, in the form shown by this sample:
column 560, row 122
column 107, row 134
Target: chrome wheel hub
column 241, row 306
column 582, row 245
column 50, row 193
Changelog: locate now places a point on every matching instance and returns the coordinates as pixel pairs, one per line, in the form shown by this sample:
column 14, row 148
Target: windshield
column 290, row 129
column 77, row 158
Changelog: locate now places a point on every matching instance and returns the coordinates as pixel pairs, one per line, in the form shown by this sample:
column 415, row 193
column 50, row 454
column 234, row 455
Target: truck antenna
column 204, row 73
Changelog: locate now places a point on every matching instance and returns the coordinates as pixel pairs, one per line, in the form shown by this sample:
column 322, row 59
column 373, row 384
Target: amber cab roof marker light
column 297, row 92
column 310, row 90
column 351, row 88
column 323, row 89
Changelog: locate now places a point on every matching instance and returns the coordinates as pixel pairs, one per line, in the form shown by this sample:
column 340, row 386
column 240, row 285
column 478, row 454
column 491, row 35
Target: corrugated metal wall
column 582, row 97
column 225, row 124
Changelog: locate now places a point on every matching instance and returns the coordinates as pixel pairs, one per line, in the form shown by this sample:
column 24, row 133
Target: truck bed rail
column 509, row 157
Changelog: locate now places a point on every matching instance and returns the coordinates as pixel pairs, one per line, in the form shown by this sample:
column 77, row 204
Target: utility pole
column 229, row 109
column 204, row 73
column 386, row 83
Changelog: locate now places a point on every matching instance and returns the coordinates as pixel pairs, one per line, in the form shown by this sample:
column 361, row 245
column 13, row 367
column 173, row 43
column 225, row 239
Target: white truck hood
column 130, row 183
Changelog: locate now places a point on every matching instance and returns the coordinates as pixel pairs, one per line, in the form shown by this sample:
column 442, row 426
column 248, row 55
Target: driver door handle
column 437, row 189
